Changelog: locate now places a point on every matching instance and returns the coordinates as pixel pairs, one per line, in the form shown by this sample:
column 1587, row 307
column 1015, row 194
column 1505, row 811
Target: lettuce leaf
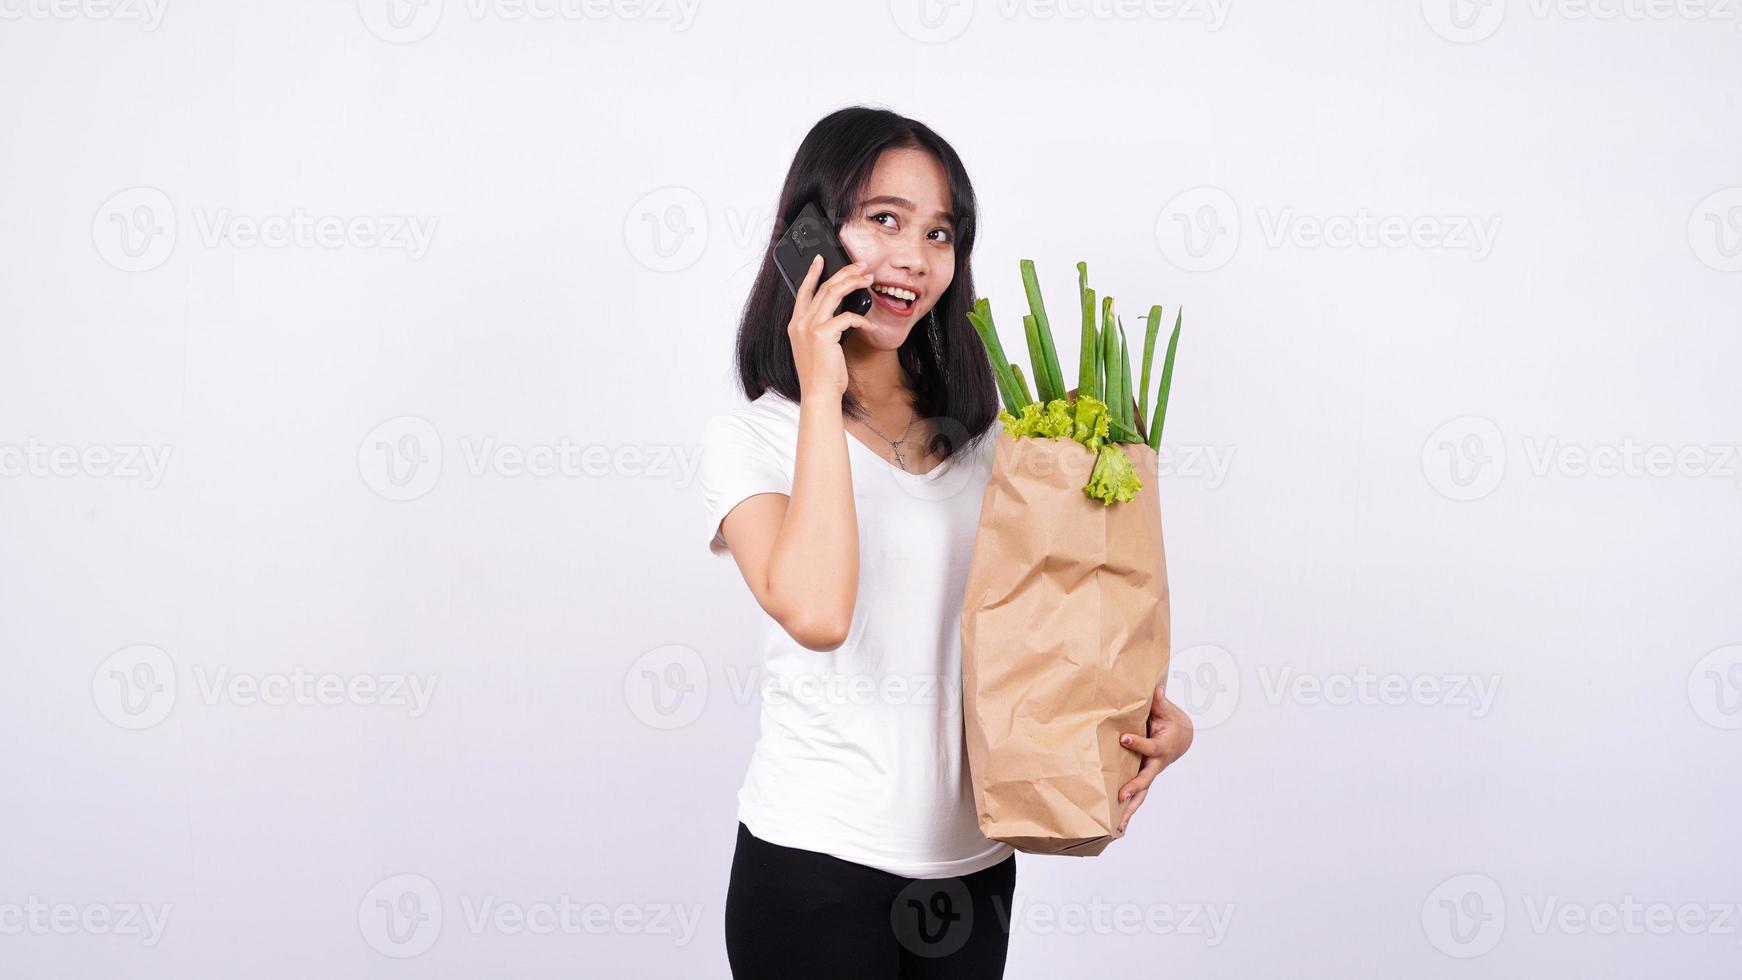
column 1113, row 478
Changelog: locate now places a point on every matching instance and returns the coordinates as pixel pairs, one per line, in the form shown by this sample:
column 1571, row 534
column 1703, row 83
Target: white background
column 1403, row 497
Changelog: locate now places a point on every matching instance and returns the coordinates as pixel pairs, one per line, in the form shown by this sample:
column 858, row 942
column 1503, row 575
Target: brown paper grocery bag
column 1064, row 639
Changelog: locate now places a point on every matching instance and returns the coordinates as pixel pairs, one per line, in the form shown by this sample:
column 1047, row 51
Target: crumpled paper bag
column 1064, row 638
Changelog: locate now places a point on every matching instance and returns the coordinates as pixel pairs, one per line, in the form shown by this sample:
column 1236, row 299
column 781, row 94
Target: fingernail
column 1124, row 740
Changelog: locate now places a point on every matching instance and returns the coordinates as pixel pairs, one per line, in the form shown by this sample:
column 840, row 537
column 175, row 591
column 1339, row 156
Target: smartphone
column 810, row 235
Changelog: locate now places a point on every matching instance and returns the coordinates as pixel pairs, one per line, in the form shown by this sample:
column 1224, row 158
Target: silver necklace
column 895, row 444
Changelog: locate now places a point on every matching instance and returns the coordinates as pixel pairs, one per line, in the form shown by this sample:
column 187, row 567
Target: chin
column 882, row 334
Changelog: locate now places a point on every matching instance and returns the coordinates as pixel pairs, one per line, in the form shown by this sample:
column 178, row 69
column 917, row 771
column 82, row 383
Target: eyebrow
column 902, row 202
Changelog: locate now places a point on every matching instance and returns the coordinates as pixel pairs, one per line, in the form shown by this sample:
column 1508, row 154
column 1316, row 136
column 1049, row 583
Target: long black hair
column 945, row 366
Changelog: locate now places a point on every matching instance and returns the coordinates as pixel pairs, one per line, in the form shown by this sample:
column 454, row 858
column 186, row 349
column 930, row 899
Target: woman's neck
column 875, row 378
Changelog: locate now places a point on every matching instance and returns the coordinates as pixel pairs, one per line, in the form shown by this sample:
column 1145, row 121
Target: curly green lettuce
column 1113, row 478
column 1085, row 420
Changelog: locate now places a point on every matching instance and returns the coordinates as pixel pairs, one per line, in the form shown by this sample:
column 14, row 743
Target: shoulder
column 766, row 427
column 769, row 416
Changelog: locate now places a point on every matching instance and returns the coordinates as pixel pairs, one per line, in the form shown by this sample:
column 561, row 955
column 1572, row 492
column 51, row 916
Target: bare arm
column 800, row 554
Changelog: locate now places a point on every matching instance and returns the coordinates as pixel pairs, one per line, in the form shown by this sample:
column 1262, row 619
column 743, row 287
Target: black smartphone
column 810, row 235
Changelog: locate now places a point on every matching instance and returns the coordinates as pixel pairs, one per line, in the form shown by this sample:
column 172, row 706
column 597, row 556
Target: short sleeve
column 738, row 461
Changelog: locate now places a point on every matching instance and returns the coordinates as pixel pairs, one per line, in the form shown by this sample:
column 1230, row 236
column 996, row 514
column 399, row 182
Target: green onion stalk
column 1106, row 410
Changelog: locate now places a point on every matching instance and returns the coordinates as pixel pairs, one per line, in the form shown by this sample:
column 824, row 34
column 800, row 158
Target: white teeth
column 897, row 292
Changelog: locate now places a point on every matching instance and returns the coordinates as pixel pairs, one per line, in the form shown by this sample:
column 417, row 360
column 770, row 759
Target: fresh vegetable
column 1055, row 382
column 1166, row 382
column 1106, row 410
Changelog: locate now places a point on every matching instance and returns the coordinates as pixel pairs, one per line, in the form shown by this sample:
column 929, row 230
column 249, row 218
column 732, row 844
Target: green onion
column 1148, row 356
column 1166, row 383
column 1021, row 382
column 1124, row 378
column 1048, row 380
column 1109, row 350
column 1086, row 370
column 1037, row 357
column 981, row 317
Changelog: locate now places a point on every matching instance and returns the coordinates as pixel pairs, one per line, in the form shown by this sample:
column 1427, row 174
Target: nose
column 909, row 257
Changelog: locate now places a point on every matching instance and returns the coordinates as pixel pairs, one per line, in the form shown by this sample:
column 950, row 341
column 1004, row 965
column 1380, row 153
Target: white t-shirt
column 861, row 753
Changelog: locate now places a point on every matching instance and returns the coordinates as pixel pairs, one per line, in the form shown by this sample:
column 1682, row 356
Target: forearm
column 813, row 570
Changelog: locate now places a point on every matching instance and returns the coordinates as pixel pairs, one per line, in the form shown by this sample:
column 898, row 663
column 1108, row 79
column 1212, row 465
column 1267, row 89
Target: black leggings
column 803, row 914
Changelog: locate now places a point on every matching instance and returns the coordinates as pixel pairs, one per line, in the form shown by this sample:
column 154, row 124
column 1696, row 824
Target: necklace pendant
column 900, row 460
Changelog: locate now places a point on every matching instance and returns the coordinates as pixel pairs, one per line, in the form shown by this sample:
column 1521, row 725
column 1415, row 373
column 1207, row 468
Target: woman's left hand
column 1170, row 735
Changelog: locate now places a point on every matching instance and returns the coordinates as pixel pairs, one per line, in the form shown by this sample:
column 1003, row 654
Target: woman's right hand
column 816, row 333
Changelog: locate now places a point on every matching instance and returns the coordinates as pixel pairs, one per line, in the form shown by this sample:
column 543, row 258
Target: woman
column 848, row 492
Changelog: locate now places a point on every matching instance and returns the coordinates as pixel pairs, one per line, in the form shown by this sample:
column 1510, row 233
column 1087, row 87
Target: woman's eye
column 878, row 217
column 945, row 232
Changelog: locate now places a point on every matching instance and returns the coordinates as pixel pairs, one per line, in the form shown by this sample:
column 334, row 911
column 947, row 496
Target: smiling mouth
column 894, row 298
